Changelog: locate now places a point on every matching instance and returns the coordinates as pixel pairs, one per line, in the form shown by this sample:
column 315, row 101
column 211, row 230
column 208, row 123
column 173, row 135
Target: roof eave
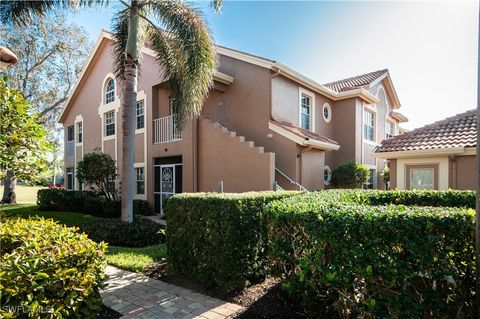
column 422, row 153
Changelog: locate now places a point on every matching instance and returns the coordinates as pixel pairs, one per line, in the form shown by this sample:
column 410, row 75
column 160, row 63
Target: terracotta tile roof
column 355, row 82
column 306, row 134
column 7, row 56
column 456, row 131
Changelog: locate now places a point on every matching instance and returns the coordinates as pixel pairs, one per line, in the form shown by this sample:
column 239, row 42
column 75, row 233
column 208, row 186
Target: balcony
column 165, row 130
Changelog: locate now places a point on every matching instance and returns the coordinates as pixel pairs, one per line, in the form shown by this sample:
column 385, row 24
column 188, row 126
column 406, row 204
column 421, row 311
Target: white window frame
column 311, row 95
column 392, row 126
column 142, row 115
column 329, row 174
column 109, row 96
column 70, row 151
column 329, row 109
column 109, row 120
column 70, row 171
column 139, row 181
column 79, row 132
column 373, row 126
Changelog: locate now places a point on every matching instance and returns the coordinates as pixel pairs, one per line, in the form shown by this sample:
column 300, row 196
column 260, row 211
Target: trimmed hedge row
column 85, row 202
column 219, row 239
column 38, row 281
column 450, row 198
column 139, row 233
column 374, row 261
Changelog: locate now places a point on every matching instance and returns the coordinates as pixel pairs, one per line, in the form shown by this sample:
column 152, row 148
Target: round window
column 327, row 175
column 327, row 112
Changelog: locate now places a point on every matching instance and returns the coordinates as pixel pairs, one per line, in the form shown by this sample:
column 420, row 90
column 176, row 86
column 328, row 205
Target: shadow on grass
column 29, row 210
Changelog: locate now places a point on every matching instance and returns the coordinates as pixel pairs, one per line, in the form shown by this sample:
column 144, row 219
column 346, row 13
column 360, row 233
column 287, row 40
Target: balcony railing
column 165, row 130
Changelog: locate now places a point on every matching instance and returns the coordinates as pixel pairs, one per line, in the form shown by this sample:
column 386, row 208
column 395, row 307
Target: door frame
column 161, row 192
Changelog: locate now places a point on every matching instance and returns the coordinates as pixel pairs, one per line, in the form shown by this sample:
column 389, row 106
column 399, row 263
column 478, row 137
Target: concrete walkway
column 136, row 296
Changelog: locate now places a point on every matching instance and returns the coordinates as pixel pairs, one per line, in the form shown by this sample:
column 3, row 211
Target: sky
column 430, row 48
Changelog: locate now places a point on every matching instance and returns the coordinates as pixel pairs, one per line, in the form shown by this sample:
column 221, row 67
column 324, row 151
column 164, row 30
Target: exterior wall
column 392, row 165
column 223, row 157
column 312, row 164
column 463, row 172
column 443, row 170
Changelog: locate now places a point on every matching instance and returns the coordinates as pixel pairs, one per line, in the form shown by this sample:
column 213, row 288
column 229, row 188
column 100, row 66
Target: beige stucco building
column 438, row 156
column 262, row 125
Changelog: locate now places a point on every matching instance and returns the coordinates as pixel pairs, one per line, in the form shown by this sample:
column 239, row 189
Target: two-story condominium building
column 262, row 125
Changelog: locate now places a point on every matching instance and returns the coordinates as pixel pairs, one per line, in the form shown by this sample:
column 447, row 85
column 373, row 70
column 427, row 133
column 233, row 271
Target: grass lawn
column 25, row 194
column 25, row 211
column 135, row 259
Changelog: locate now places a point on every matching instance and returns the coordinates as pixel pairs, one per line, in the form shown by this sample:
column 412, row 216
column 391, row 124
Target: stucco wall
column 225, row 158
column 443, row 170
column 312, row 163
column 465, row 172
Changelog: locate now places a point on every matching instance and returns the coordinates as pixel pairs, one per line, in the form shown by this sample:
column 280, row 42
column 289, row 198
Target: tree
column 51, row 50
column 23, row 143
column 184, row 49
column 98, row 170
column 350, row 175
column 385, row 174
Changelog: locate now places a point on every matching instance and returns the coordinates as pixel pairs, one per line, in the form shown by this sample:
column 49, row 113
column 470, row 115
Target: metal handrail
column 291, row 180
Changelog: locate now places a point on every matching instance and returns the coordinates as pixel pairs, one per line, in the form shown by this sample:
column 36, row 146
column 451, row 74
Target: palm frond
column 21, row 12
column 217, row 5
column 187, row 53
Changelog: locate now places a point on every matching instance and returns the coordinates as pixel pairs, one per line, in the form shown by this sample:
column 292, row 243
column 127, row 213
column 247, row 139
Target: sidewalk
column 136, row 296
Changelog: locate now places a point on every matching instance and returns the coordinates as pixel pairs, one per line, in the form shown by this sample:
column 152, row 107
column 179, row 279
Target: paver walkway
column 136, row 296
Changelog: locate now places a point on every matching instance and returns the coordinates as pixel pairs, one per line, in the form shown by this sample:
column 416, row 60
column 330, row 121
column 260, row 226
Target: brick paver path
column 137, row 296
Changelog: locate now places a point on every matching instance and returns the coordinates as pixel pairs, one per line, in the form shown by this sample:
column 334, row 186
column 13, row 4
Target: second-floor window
column 70, row 141
column 368, row 125
column 389, row 129
column 110, row 91
column 109, row 119
column 305, row 111
column 140, row 114
column 79, row 132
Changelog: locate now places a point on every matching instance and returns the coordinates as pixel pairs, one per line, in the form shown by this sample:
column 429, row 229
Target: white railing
column 291, row 180
column 165, row 130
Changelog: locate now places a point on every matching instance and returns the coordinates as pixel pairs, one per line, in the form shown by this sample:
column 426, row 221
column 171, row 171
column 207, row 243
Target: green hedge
column 374, row 261
column 218, row 239
column 85, row 202
column 49, row 271
column 140, row 233
column 450, row 198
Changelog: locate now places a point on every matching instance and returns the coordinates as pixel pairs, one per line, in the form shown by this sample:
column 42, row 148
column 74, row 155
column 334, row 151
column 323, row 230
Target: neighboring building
column 437, row 156
column 262, row 125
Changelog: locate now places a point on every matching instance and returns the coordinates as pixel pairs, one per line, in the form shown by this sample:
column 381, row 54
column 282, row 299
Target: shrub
column 101, row 207
column 141, row 207
column 374, row 261
column 49, row 199
column 350, row 175
column 99, row 170
column 140, row 233
column 218, row 239
column 450, row 198
column 47, row 267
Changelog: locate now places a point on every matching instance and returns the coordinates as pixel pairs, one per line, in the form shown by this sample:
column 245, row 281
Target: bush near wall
column 219, row 239
column 35, row 279
column 139, row 233
column 450, row 198
column 85, row 202
column 374, row 261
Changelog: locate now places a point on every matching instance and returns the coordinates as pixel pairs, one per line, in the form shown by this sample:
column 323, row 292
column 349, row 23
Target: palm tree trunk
column 9, row 185
column 128, row 104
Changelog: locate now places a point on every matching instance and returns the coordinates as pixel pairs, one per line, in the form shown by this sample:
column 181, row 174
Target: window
column 70, row 141
column 140, row 114
column 111, row 187
column 389, row 129
column 70, row 178
column 110, row 91
column 79, row 132
column 305, row 110
column 370, row 184
column 79, row 185
column 369, row 125
column 327, row 175
column 109, row 123
column 139, row 171
column 327, row 112
column 422, row 178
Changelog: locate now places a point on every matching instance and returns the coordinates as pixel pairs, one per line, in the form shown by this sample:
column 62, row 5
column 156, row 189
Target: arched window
column 110, row 91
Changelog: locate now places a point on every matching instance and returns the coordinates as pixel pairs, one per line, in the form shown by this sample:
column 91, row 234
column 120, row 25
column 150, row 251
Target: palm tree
column 184, row 49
